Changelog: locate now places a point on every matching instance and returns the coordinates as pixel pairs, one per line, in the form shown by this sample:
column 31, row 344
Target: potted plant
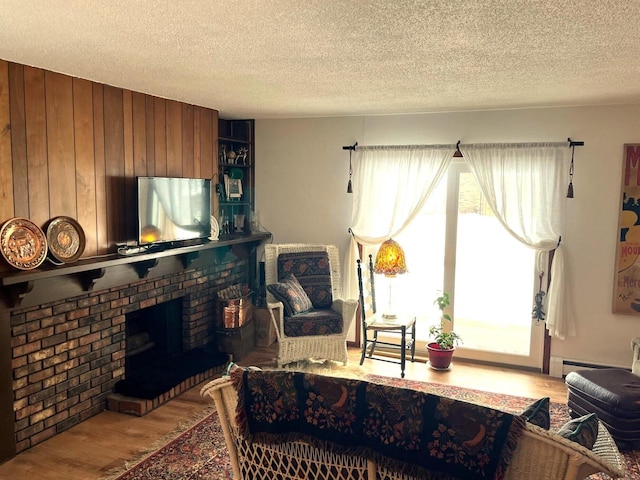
column 444, row 343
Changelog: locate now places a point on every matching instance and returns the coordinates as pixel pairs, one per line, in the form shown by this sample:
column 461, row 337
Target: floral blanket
column 406, row 430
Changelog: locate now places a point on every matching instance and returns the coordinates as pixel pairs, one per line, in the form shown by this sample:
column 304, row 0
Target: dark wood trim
column 7, row 436
column 51, row 283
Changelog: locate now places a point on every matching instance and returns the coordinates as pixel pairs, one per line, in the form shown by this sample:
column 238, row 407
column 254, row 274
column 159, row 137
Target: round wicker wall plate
column 22, row 243
column 66, row 239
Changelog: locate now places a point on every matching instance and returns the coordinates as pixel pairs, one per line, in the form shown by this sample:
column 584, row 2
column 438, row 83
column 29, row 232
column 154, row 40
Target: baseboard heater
column 560, row 367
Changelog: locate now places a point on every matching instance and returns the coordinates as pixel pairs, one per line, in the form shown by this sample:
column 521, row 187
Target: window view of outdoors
column 492, row 272
column 494, row 278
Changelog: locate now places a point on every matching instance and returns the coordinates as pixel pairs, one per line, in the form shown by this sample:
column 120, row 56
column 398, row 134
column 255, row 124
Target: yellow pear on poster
column 630, row 247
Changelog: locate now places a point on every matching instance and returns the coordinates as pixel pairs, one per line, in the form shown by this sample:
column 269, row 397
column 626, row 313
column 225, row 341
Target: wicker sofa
column 538, row 455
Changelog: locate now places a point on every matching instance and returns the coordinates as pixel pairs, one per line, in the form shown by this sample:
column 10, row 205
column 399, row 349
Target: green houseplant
column 444, row 342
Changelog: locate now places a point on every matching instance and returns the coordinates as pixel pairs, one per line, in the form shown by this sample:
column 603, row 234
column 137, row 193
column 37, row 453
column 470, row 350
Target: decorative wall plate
column 66, row 239
column 22, row 243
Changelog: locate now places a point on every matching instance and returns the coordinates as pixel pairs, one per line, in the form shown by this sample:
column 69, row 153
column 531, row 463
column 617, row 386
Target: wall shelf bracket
column 17, row 292
column 188, row 258
column 144, row 267
column 89, row 278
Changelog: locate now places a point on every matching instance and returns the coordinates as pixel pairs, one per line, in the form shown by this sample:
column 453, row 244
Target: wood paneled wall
column 74, row 147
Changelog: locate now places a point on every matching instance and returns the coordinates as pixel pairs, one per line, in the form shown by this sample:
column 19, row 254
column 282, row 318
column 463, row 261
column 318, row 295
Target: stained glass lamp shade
column 390, row 261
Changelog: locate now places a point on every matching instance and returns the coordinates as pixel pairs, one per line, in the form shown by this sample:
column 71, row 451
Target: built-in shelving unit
column 236, row 169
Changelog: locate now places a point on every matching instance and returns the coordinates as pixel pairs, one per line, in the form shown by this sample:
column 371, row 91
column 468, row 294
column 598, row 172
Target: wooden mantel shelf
column 17, row 285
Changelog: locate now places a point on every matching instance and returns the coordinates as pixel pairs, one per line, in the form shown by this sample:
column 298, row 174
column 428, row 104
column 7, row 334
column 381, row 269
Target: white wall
column 301, row 180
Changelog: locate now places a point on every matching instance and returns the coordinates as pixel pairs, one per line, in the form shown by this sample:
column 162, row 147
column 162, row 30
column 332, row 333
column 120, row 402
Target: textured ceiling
column 308, row 58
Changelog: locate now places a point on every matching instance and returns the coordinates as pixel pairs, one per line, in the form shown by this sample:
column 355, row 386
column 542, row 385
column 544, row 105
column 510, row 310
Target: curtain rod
column 572, row 143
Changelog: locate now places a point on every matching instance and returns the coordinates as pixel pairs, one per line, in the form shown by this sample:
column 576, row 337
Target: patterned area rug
column 199, row 452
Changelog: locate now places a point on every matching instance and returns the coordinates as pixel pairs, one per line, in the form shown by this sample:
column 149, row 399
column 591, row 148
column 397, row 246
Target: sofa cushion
column 582, row 430
column 292, row 295
column 538, row 413
column 313, row 271
column 313, row 322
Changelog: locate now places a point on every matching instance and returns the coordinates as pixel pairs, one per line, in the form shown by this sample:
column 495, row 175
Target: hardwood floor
column 90, row 449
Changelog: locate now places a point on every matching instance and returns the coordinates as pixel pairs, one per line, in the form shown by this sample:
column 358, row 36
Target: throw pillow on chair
column 292, row 295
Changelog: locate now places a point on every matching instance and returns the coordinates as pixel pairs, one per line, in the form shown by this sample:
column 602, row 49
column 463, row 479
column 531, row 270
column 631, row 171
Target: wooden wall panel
column 36, row 127
column 101, row 175
column 114, row 164
column 60, row 144
column 214, row 153
column 18, row 145
column 197, row 129
column 6, row 162
column 151, row 135
column 139, row 135
column 129, row 184
column 85, row 163
column 160, row 122
column 174, row 138
column 127, row 110
column 74, row 147
column 206, row 143
column 187, row 140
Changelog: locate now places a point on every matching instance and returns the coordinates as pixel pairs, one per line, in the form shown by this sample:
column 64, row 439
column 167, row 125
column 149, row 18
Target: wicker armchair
column 321, row 333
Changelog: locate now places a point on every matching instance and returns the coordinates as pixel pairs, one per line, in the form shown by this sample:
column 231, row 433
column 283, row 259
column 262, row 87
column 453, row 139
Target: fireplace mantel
column 34, row 287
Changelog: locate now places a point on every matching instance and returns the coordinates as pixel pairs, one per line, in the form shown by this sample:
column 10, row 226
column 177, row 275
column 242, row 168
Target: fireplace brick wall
column 67, row 355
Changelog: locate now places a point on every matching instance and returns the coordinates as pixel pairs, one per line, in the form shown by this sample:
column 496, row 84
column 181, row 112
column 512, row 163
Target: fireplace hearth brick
column 140, row 406
column 68, row 355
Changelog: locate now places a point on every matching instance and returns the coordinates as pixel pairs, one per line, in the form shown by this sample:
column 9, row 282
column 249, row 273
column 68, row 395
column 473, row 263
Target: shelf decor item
column 66, row 239
column 234, row 188
column 215, row 229
column 23, row 244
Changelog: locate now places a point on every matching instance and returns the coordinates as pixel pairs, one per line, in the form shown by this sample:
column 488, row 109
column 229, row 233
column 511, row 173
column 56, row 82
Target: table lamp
column 390, row 262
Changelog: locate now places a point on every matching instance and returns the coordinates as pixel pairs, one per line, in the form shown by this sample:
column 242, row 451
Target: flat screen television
column 173, row 209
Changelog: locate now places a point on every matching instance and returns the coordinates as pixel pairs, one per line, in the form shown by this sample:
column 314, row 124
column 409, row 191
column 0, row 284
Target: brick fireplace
column 67, row 354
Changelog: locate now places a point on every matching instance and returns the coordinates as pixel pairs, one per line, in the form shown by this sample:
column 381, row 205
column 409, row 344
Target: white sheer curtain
column 390, row 185
column 525, row 185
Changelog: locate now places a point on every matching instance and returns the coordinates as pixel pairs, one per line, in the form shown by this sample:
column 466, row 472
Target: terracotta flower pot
column 439, row 359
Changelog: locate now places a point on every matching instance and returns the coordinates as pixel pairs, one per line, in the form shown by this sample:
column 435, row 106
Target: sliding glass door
column 458, row 246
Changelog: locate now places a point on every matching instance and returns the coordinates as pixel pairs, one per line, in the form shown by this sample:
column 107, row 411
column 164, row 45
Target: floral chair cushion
column 313, row 271
column 313, row 322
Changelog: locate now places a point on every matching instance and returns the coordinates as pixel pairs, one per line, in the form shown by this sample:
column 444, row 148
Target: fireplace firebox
column 153, row 335
column 155, row 361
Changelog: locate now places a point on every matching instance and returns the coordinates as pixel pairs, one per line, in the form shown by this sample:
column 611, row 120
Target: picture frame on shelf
column 233, row 188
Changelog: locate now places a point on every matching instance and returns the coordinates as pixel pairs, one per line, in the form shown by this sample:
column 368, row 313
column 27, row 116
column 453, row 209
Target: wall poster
column 626, row 298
